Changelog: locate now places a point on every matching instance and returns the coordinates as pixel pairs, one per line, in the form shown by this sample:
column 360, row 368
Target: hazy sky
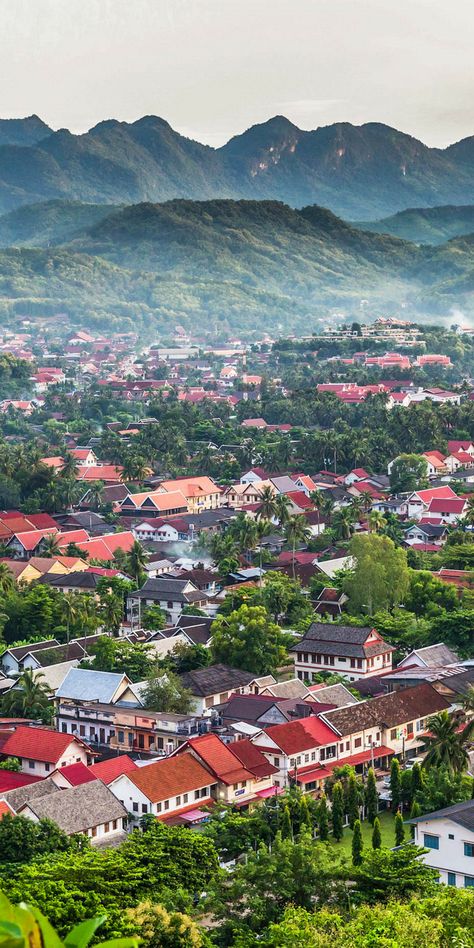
column 214, row 67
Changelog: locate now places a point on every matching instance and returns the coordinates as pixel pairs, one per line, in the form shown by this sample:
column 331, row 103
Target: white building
column 448, row 835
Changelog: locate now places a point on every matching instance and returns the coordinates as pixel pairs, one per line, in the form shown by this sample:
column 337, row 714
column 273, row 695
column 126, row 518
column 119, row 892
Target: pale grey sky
column 214, row 67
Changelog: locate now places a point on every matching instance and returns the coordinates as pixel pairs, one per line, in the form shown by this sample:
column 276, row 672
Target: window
column 469, row 882
column 306, row 758
column 47, row 768
column 144, row 808
column 393, row 734
column 31, row 764
column 106, row 827
column 158, row 807
column 313, row 755
column 353, row 663
column 82, row 730
column 410, row 729
column 135, row 807
column 114, row 824
column 235, row 786
column 167, row 804
column 450, row 835
column 469, row 849
column 430, row 842
column 64, row 728
column 170, row 604
column 94, row 830
column 185, row 797
column 178, row 801
column 451, row 878
column 276, row 761
column 121, row 737
column 358, row 742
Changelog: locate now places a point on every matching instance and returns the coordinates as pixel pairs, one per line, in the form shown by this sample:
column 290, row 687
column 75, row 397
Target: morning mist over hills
column 134, row 224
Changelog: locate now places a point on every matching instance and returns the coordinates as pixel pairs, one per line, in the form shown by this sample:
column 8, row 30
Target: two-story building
column 214, row 685
column 171, row 595
column 448, row 837
column 300, row 751
column 125, row 729
column 374, row 730
column 40, row 750
column 201, row 493
column 236, row 782
column 174, row 787
column 350, row 651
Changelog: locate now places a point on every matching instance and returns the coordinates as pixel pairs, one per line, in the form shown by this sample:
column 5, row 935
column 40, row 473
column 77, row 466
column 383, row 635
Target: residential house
column 330, row 602
column 418, row 502
column 170, row 594
column 376, row 729
column 300, row 751
column 201, row 493
column 12, row 659
column 350, row 651
column 447, row 836
column 214, row 685
column 234, row 783
column 447, row 510
column 41, row 750
column 176, row 787
column 430, row 656
column 155, row 503
column 83, row 685
column 426, row 533
column 89, row 808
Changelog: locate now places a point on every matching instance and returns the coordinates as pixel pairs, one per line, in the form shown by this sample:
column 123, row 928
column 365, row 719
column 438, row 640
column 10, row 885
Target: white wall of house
column 73, row 754
column 445, row 841
column 138, row 804
column 307, row 665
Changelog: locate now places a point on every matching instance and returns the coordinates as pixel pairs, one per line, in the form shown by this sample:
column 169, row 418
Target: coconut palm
column 29, row 698
column 447, row 745
column 326, row 506
column 376, row 521
column 50, row 546
column 468, row 700
column 267, row 503
column 344, row 522
column 95, row 496
column 264, row 529
column 7, row 581
column 282, row 508
column 136, row 562
column 296, row 531
column 366, row 499
column 469, row 512
column 134, row 468
column 70, row 465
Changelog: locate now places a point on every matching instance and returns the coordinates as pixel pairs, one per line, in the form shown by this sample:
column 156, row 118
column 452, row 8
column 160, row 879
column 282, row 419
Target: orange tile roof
column 219, row 758
column 169, row 777
column 5, row 809
column 192, row 486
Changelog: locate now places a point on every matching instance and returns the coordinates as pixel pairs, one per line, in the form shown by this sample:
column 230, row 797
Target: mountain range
column 359, row 172
column 244, row 265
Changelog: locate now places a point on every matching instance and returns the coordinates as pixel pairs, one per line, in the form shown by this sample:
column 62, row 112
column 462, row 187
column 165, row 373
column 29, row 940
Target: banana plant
column 24, row 926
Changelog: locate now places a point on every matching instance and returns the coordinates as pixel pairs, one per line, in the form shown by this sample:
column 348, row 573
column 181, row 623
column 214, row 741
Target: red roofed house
column 175, row 787
column 436, row 463
column 41, row 750
column 357, row 474
column 419, row 501
column 305, row 483
column 447, row 510
column 458, row 459
column 236, row 783
column 455, row 446
column 303, row 747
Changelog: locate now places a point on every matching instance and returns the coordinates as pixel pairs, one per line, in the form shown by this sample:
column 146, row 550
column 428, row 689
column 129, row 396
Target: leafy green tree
column 414, row 812
column 167, row 694
column 153, row 618
column 371, row 796
column 118, row 655
column 11, row 763
column 380, row 576
column 323, row 819
column 158, row 928
column 337, row 811
column 417, row 779
column 357, row 844
column 306, row 821
column 352, row 803
column 395, row 784
column 427, row 594
column 29, row 698
column 447, row 745
column 286, row 826
column 248, row 639
column 395, row 874
column 442, row 787
column 23, row 924
column 136, row 561
column 409, row 472
column 399, row 829
column 376, row 834
column 22, row 840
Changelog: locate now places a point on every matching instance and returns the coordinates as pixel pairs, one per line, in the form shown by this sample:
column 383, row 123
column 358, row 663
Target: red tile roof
column 219, row 758
column 108, row 770
column 39, row 743
column 449, row 505
column 253, row 759
column 10, row 780
column 76, row 774
column 297, row 736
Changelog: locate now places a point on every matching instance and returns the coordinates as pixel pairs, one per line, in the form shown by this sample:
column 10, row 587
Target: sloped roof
column 396, row 708
column 20, row 795
column 11, row 780
column 79, row 808
column 170, row 777
column 219, row 758
column 82, row 684
column 108, row 770
column 39, row 743
column 214, row 679
column 76, row 774
column 252, row 759
column 460, row 813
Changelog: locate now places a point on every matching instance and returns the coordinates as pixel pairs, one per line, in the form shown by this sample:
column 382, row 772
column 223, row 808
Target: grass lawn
column 387, row 827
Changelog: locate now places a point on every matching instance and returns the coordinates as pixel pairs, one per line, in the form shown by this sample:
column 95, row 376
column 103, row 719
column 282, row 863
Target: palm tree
column 50, row 546
column 447, row 745
column 326, row 506
column 344, row 522
column 71, row 610
column 296, row 531
column 136, row 562
column 468, row 700
column 282, row 505
column 264, row 529
column 29, row 698
column 469, row 512
column 7, row 581
column 366, row 499
column 134, row 468
column 70, row 465
column 96, row 494
column 356, row 505
column 376, row 521
column 267, row 503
